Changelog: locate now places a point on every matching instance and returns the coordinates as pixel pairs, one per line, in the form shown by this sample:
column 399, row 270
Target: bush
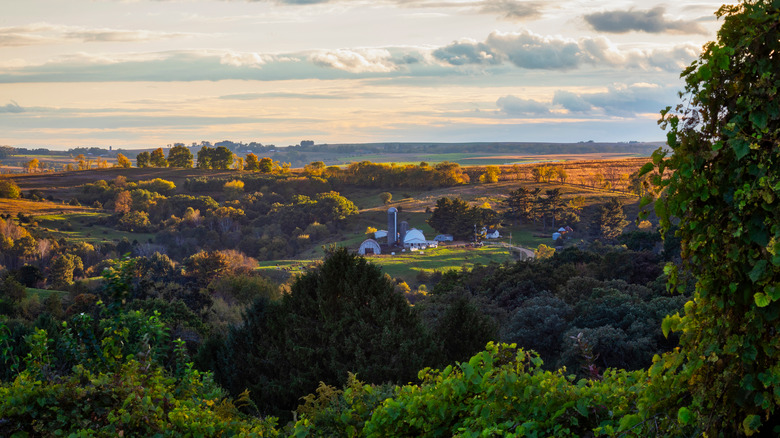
column 9, row 189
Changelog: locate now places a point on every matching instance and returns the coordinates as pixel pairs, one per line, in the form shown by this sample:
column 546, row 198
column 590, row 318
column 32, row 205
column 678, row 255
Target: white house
column 368, row 247
column 491, row 233
column 380, row 234
column 443, row 238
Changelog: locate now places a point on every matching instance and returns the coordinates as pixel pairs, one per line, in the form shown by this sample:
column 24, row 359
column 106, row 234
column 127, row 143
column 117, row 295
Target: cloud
column 355, row 61
column 44, row 33
column 12, row 107
column 467, row 52
column 515, row 106
column 528, row 50
column 511, row 10
column 495, row 55
column 238, row 59
column 620, row 100
column 650, row 21
column 571, row 101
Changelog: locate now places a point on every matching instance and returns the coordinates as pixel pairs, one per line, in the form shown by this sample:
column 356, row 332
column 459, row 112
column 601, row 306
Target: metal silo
column 392, row 226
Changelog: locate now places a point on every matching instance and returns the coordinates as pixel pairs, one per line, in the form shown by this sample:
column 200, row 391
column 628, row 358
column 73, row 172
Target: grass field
column 14, row 206
column 79, row 226
column 406, row 265
column 45, row 293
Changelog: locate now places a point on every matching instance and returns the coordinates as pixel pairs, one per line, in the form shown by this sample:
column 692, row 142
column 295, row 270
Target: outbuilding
column 369, row 247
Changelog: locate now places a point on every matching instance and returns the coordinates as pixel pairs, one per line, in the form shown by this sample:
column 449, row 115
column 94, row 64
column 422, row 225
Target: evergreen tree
column 455, row 216
column 342, row 317
column 609, row 220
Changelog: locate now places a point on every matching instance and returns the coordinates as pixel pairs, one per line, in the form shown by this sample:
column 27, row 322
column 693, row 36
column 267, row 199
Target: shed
column 368, row 247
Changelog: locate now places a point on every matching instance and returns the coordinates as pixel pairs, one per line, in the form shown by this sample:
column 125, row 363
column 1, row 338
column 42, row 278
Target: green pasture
column 406, row 265
column 44, row 293
column 82, row 229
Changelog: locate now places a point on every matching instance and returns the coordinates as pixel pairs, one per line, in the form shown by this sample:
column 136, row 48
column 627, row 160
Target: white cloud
column 236, row 59
column 356, row 61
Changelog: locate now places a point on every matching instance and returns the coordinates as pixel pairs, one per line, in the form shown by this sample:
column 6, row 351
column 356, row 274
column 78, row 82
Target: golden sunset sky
column 139, row 74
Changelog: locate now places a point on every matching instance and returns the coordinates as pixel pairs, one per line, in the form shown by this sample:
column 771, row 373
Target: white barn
column 415, row 239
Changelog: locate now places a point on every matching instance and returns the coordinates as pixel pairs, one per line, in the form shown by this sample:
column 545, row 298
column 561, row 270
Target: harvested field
column 14, row 206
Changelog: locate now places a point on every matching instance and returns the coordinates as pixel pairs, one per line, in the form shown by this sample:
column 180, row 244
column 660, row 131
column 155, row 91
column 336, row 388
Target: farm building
column 492, row 233
column 443, row 238
column 380, row 234
column 368, row 247
column 415, row 238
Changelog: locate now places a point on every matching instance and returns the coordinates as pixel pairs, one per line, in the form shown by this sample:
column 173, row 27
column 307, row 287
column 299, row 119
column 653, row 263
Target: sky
column 149, row 73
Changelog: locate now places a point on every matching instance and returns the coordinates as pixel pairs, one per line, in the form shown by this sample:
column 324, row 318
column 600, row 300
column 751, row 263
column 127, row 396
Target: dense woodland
column 643, row 333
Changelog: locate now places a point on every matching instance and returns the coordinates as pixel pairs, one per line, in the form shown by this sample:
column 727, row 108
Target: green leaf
column 628, row 422
column 684, row 415
column 758, row 271
column 648, row 167
column 750, row 424
column 759, row 119
column 762, row 300
column 705, row 73
column 666, row 326
column 740, row 147
column 658, row 156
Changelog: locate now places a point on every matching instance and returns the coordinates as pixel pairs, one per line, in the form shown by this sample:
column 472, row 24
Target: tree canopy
column 180, row 156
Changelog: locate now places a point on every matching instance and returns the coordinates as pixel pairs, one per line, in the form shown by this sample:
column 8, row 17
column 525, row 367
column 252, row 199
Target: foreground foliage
column 502, row 391
column 724, row 186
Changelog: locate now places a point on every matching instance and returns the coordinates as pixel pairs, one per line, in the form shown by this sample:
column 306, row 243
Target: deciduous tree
column 180, row 156
column 123, row 161
column 157, row 158
column 722, row 181
column 143, row 159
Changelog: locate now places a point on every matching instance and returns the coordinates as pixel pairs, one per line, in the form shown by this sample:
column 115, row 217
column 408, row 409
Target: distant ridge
column 532, row 148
